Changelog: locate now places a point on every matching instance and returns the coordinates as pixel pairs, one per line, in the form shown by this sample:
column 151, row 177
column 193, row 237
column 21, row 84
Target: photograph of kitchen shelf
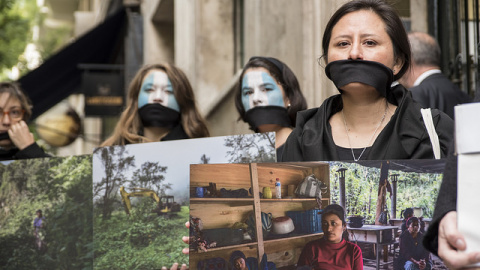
column 219, row 213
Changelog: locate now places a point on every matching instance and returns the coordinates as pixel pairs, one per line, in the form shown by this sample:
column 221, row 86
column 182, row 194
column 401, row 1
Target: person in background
column 366, row 49
column 413, row 256
column 425, row 80
column 38, row 229
column 160, row 107
column 333, row 251
column 407, row 213
column 268, row 97
column 16, row 140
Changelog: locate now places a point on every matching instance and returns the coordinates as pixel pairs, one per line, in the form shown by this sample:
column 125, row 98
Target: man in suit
column 425, row 80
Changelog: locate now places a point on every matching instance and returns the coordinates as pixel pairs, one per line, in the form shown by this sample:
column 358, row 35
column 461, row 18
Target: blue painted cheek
column 172, row 103
column 143, row 94
column 245, row 98
column 275, row 97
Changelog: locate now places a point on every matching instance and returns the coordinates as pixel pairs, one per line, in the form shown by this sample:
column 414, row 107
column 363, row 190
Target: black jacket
column 446, row 202
column 31, row 151
column 438, row 92
column 404, row 137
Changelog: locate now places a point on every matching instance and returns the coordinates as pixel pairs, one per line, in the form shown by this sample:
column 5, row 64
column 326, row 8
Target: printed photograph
column 46, row 213
column 141, row 195
column 354, row 215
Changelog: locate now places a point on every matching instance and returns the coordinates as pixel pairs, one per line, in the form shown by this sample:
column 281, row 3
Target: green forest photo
column 61, row 188
column 410, row 183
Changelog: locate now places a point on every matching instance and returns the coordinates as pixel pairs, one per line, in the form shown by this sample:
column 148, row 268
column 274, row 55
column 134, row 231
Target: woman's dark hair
column 393, row 26
column 284, row 76
column 340, row 213
column 408, row 212
column 411, row 220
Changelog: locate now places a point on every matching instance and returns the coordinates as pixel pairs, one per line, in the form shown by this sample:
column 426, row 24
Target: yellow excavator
column 165, row 204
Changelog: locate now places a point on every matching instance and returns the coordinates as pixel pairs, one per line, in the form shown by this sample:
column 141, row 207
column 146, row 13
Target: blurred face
column 239, row 264
column 11, row 112
column 259, row 88
column 333, row 228
column 157, row 88
column 361, row 35
column 413, row 228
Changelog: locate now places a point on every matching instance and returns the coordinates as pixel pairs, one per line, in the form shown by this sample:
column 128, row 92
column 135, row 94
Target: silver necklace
column 371, row 139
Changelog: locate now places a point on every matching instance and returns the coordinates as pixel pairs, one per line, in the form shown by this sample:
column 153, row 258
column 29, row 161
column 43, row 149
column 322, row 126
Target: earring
column 288, row 106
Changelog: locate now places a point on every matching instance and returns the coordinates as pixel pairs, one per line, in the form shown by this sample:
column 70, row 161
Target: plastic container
column 278, row 189
column 309, row 221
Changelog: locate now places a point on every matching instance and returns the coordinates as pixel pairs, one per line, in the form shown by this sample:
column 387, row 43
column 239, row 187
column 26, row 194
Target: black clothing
column 375, row 74
column 446, row 202
column 279, row 152
column 404, row 137
column 31, row 151
column 438, row 92
column 157, row 115
column 412, row 248
column 346, row 153
column 263, row 115
column 176, row 133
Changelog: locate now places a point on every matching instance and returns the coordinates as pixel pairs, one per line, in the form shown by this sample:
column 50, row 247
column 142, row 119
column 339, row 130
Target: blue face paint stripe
column 245, row 97
column 275, row 96
column 172, row 101
column 143, row 95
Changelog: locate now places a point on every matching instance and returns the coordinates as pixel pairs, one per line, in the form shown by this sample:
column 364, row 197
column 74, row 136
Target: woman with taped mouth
column 366, row 49
column 16, row 140
column 268, row 98
column 160, row 107
column 333, row 251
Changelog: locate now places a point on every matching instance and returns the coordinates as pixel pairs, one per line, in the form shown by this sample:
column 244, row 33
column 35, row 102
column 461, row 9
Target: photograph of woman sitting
column 412, row 253
column 333, row 251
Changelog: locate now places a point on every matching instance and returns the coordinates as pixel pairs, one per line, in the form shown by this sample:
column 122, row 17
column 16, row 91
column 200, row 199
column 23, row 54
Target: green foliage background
column 62, row 188
column 413, row 190
column 141, row 241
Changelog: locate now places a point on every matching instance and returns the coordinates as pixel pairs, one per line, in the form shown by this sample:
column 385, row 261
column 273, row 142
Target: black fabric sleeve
column 446, row 202
column 31, row 151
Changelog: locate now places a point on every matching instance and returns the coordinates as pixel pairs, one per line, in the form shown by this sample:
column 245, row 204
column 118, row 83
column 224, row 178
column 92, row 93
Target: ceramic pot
column 283, row 225
column 417, row 211
column 355, row 221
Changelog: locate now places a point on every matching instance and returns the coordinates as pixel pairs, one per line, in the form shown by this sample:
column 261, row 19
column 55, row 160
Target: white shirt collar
column 424, row 75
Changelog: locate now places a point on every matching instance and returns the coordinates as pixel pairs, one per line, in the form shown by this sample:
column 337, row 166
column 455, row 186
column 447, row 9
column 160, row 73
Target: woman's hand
column 20, row 135
column 175, row 267
column 450, row 242
column 186, row 239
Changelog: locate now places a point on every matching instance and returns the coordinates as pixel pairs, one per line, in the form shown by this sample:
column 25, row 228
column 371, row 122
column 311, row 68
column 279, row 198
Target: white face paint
column 260, row 89
column 157, row 88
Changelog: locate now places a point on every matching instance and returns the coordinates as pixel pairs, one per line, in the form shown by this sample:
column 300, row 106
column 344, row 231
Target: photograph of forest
column 416, row 186
column 60, row 236
column 141, row 195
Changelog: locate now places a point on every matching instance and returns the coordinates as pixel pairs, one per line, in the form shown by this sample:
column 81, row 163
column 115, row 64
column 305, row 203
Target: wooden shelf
column 232, row 200
column 293, row 200
column 292, row 237
column 227, row 247
column 220, row 200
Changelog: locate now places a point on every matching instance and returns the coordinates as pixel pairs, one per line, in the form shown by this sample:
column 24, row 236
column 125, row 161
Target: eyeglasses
column 14, row 114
